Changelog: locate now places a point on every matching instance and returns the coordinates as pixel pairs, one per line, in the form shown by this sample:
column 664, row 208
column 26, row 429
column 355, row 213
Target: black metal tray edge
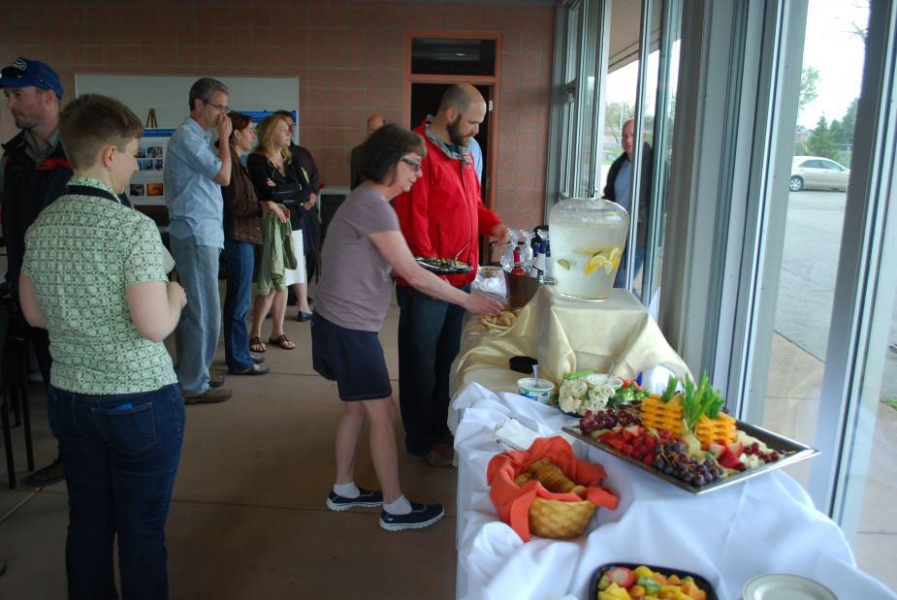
column 701, row 582
column 773, row 440
column 443, row 270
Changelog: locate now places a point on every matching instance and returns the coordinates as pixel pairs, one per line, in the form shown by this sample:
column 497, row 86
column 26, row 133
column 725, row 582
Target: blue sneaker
column 366, row 499
column 421, row 515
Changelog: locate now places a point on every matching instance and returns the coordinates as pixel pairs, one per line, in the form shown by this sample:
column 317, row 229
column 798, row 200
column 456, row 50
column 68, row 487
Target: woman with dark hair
column 242, row 233
column 364, row 247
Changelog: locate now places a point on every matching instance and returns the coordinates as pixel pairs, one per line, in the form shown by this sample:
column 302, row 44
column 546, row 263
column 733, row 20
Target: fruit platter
column 628, row 581
column 444, row 266
column 684, row 437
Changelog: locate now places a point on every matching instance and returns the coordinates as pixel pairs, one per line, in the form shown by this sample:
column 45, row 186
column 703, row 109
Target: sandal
column 256, row 345
column 283, row 341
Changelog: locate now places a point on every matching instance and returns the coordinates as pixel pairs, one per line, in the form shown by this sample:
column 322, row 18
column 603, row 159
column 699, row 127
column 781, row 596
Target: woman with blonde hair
column 275, row 180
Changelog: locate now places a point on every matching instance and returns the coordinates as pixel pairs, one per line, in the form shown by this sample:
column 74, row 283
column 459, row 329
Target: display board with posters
column 147, row 186
column 166, row 98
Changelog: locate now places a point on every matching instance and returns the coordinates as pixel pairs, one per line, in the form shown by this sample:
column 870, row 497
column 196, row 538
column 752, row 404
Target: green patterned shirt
column 81, row 254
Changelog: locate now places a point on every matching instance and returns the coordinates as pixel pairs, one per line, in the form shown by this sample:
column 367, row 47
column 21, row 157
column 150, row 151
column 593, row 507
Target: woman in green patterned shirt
column 93, row 276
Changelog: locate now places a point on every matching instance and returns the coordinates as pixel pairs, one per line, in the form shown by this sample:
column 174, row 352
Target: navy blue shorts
column 352, row 358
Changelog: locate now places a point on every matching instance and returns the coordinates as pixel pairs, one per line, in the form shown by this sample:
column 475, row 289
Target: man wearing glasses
column 192, row 182
column 441, row 217
column 33, row 174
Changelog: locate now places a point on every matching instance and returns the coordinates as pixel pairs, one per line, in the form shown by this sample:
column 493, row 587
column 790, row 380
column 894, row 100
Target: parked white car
column 819, row 173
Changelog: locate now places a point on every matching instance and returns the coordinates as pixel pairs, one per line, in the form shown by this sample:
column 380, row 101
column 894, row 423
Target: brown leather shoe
column 216, row 381
column 210, row 396
column 52, row 473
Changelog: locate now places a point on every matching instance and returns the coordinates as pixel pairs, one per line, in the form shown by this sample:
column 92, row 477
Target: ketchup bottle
column 518, row 264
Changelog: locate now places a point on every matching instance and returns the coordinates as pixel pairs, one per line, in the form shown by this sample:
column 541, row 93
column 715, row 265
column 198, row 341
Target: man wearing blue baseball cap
column 33, row 174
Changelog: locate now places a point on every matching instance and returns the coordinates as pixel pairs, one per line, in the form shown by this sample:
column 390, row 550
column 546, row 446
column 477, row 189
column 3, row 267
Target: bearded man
column 441, row 216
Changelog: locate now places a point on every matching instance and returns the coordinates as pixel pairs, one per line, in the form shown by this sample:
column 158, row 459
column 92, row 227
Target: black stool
column 14, row 382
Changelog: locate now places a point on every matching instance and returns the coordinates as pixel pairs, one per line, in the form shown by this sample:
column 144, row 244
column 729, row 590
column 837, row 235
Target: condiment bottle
column 518, row 264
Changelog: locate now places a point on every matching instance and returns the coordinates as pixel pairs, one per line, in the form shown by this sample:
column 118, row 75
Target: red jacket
column 443, row 211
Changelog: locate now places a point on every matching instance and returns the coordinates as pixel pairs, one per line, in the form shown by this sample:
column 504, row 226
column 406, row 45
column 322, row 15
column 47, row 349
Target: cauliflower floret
column 566, row 399
column 598, row 397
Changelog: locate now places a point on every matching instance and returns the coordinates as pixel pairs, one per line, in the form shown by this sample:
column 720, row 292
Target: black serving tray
column 791, row 452
column 666, row 572
column 457, row 267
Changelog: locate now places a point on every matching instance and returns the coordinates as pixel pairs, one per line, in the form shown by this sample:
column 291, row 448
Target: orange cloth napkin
column 513, row 502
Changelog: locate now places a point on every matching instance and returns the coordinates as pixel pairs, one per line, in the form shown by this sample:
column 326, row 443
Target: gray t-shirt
column 355, row 284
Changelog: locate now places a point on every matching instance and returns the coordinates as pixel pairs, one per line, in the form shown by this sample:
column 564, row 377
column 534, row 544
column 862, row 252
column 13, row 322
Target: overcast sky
column 834, row 49
column 831, row 46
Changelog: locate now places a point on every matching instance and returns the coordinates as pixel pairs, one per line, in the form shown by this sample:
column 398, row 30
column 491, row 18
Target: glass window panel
column 875, row 542
column 815, row 219
column 835, row 50
column 621, row 95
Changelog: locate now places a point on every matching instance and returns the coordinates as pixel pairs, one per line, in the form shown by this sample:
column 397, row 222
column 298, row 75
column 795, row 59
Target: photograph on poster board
column 137, row 189
column 155, row 189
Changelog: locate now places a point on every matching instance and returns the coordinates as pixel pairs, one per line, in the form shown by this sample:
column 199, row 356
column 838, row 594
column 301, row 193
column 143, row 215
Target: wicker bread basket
column 559, row 520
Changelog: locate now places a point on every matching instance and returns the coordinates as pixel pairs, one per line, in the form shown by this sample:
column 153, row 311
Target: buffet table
column 764, row 525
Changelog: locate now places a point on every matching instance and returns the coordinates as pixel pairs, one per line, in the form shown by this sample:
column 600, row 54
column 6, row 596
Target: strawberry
column 728, row 459
column 716, row 449
column 622, row 576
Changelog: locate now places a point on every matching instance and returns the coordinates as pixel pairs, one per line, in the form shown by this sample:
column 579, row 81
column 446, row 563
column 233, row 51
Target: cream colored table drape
column 615, row 336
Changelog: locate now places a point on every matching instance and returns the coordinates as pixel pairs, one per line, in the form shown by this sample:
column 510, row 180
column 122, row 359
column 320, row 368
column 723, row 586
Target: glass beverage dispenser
column 587, row 241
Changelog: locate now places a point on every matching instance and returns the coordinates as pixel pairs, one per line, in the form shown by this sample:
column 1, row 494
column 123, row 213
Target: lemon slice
column 563, row 262
column 616, row 253
column 595, row 263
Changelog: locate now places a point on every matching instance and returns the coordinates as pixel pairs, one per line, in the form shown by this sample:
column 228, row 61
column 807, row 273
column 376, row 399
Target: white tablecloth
column 765, row 525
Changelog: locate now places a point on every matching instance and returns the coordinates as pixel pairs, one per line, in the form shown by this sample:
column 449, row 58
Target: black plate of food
column 444, row 266
column 622, row 573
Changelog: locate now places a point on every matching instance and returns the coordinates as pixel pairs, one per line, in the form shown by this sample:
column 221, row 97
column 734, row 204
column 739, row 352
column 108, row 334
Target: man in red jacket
column 441, row 217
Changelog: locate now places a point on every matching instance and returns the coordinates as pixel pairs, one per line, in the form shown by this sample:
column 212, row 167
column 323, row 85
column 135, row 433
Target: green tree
column 809, row 76
column 844, row 136
column 821, row 141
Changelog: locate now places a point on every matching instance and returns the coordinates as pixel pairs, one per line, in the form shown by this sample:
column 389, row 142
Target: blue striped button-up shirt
column 195, row 204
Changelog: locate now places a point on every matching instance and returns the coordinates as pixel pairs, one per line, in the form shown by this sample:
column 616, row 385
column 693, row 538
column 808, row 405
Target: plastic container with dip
column 785, row 587
column 539, row 390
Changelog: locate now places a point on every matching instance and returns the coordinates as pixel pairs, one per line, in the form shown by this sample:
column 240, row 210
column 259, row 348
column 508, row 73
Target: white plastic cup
column 539, row 390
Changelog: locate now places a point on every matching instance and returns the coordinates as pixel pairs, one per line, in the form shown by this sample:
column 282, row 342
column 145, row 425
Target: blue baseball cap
column 25, row 72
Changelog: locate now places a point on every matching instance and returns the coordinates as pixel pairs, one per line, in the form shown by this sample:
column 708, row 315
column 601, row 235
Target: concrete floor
column 248, row 519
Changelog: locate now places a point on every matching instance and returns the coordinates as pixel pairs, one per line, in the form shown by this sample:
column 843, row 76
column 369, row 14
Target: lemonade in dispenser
column 587, row 241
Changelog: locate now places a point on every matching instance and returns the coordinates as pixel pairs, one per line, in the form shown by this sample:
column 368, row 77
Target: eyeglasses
column 221, row 107
column 414, row 165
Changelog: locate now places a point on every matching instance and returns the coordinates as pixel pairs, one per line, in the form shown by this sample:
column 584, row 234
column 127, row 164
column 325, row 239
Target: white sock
column 347, row 490
column 399, row 507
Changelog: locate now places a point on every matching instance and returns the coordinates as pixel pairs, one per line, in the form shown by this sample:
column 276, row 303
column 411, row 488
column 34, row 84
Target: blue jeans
column 429, row 340
column 240, row 257
column 196, row 336
column 120, row 454
column 620, row 280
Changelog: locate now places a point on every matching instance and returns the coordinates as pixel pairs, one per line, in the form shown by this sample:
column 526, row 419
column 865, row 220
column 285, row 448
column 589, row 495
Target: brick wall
column 348, row 54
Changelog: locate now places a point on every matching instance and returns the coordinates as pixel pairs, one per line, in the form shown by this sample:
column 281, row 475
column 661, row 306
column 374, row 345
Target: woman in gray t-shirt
column 363, row 249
